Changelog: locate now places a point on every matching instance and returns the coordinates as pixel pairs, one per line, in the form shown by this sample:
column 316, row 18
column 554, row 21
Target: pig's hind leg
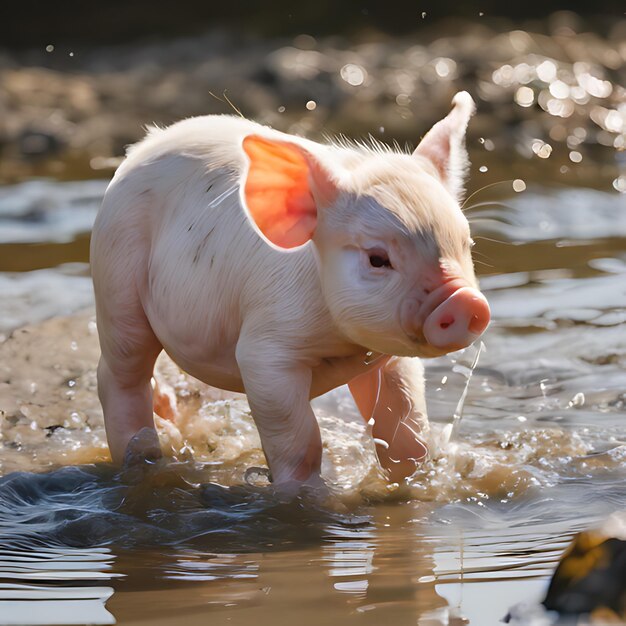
column 391, row 398
column 129, row 351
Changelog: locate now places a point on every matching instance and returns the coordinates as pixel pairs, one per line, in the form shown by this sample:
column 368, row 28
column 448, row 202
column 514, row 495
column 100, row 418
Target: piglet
column 269, row 264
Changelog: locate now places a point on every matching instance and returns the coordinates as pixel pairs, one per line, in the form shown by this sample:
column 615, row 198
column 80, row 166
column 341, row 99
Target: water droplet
column 371, row 357
column 519, row 185
column 575, row 157
column 71, row 54
column 49, row 48
column 281, row 109
column 311, row 105
column 577, row 400
column 423, row 14
column 483, row 169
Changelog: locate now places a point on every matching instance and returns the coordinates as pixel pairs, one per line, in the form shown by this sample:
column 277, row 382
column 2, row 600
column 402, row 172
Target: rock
column 591, row 576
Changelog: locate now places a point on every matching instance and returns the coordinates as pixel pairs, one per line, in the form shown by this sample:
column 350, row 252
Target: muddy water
column 540, row 453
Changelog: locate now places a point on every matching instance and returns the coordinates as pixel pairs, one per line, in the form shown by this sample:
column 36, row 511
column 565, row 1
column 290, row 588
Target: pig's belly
column 219, row 371
column 208, row 355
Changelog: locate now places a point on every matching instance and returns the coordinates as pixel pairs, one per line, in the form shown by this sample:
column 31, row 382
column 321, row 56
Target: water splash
column 451, row 430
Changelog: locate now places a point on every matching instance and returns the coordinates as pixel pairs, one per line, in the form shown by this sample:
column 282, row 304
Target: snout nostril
column 478, row 324
column 446, row 322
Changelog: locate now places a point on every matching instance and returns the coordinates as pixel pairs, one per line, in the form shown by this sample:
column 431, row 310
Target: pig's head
column 394, row 246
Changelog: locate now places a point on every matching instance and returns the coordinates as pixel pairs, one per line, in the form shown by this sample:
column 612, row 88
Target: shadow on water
column 70, row 537
column 143, row 507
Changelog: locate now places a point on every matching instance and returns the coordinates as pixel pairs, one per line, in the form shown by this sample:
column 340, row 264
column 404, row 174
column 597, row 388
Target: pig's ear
column 283, row 189
column 444, row 145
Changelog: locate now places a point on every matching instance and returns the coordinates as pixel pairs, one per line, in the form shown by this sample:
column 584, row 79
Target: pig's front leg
column 278, row 390
column 391, row 398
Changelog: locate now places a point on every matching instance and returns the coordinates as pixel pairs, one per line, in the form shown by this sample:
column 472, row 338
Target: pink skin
column 179, row 263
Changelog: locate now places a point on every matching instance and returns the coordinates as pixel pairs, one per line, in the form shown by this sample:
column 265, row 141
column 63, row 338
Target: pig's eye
column 379, row 258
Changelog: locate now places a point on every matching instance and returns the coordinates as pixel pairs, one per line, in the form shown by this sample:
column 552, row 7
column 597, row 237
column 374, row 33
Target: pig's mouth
column 419, row 347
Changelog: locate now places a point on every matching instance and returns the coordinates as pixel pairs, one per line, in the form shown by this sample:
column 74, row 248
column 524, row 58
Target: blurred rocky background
column 80, row 80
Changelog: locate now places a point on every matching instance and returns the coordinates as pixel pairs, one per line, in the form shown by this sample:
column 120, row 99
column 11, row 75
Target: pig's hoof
column 313, row 489
column 143, row 448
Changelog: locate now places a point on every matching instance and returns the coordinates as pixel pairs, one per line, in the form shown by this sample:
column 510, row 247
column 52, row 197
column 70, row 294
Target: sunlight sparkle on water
column 542, row 149
column 525, row 96
column 353, row 74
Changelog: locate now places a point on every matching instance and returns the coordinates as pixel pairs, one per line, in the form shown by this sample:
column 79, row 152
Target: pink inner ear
column 437, row 149
column 444, row 146
column 277, row 192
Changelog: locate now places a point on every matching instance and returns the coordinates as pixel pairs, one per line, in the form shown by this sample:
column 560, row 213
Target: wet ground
column 540, row 453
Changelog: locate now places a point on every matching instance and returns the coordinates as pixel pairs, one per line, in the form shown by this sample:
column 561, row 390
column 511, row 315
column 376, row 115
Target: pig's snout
column 457, row 321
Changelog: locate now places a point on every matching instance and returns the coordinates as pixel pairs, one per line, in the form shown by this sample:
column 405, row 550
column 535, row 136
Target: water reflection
column 195, row 566
column 58, row 585
column 350, row 562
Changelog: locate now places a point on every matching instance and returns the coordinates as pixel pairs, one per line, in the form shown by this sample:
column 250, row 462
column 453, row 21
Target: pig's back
column 200, row 267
